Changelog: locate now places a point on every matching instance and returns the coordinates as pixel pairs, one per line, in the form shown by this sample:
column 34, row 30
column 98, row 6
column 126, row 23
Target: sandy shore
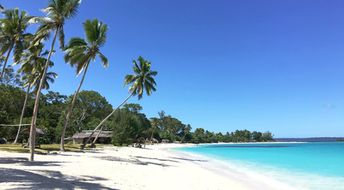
column 153, row 168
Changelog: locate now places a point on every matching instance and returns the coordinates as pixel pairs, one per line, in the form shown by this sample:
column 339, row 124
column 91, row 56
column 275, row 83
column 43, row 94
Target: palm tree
column 185, row 130
column 142, row 80
column 32, row 64
column 12, row 34
column 155, row 122
column 80, row 53
column 58, row 11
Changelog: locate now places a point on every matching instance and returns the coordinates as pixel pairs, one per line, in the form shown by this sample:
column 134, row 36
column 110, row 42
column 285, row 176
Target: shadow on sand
column 187, row 159
column 47, row 180
column 157, row 159
column 24, row 161
column 132, row 161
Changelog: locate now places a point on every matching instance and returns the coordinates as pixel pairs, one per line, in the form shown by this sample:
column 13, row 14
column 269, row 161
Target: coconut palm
column 58, row 11
column 142, row 80
column 32, row 67
column 12, row 34
column 80, row 53
column 185, row 130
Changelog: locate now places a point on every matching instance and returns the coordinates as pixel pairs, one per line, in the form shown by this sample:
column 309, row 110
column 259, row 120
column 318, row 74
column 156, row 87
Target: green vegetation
column 91, row 107
column 42, row 149
column 129, row 124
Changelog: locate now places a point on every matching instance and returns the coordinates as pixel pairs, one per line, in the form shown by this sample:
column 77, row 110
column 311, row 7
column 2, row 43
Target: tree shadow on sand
column 157, row 159
column 131, row 161
column 47, row 180
column 24, row 161
column 188, row 159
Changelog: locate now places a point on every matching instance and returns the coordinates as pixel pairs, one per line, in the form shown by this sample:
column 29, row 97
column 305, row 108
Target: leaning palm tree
column 57, row 13
column 12, row 34
column 80, row 53
column 142, row 80
column 32, row 68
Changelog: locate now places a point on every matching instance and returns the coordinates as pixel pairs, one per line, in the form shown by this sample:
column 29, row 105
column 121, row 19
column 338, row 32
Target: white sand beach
column 153, row 168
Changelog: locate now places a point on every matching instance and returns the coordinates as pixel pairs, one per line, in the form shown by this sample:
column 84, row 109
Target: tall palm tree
column 142, row 80
column 32, row 68
column 12, row 34
column 58, row 11
column 80, row 53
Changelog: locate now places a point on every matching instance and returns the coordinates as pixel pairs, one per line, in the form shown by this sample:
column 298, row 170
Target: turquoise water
column 308, row 165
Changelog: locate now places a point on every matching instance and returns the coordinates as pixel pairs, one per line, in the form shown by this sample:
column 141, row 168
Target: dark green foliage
column 88, row 110
column 11, row 99
column 53, row 104
column 129, row 127
column 201, row 136
column 172, row 129
column 198, row 136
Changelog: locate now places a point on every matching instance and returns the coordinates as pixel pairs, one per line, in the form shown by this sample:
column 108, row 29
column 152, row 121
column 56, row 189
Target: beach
column 128, row 168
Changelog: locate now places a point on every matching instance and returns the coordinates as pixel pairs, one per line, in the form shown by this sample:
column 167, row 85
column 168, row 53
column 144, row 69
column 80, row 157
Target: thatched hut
column 104, row 136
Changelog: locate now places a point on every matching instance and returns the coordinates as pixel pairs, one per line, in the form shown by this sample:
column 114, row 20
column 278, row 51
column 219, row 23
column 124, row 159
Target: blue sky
column 223, row 64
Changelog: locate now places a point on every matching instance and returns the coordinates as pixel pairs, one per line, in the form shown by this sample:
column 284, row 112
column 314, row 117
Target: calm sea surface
column 304, row 165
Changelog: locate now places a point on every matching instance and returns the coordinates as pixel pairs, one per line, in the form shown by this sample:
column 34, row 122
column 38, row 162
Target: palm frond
column 104, row 59
column 142, row 79
column 79, row 52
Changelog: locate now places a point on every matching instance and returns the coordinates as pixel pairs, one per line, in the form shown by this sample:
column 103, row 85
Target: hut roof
column 87, row 133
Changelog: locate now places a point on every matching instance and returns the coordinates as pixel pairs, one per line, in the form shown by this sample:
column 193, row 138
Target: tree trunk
column 70, row 109
column 182, row 140
column 22, row 113
column 36, row 106
column 6, row 60
column 151, row 138
column 102, row 122
column 95, row 139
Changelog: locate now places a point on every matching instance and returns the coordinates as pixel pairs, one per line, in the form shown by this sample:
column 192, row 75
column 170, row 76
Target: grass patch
column 56, row 147
column 45, row 148
column 13, row 148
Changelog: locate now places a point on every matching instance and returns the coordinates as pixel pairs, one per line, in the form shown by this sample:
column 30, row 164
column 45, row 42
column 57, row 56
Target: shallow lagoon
column 304, row 165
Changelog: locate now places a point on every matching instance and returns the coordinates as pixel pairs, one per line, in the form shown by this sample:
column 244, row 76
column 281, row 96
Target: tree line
column 129, row 124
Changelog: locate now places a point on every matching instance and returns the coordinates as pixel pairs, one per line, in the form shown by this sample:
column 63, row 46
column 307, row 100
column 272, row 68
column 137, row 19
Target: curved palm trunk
column 36, row 106
column 182, row 140
column 95, row 139
column 102, row 122
column 70, row 108
column 22, row 113
column 6, row 60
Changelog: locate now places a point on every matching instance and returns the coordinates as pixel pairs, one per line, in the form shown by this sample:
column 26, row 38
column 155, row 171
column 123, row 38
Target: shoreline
column 269, row 176
column 251, row 179
column 154, row 167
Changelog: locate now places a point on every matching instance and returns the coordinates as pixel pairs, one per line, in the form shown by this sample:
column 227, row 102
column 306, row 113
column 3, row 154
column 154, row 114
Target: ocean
column 316, row 165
